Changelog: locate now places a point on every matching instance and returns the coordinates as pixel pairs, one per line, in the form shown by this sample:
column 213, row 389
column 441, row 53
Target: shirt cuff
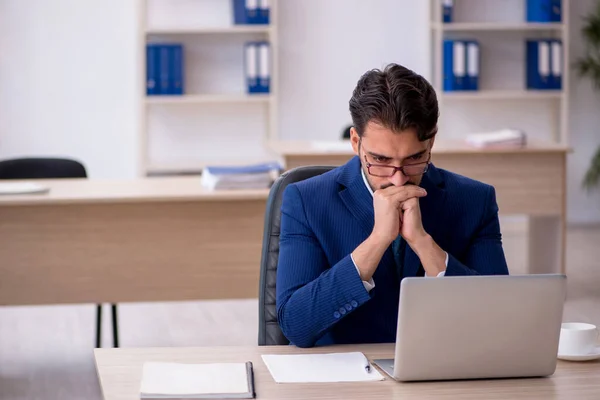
column 370, row 284
column 441, row 273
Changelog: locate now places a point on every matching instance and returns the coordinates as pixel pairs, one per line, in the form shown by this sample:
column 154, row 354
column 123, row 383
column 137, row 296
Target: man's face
column 381, row 146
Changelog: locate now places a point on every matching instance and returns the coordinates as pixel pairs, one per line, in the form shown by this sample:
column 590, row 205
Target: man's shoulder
column 321, row 183
column 464, row 186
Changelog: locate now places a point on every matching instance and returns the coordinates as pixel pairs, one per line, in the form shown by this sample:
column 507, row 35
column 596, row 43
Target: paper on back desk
column 334, row 367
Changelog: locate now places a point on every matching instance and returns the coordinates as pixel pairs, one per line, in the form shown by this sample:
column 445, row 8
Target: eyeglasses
column 387, row 171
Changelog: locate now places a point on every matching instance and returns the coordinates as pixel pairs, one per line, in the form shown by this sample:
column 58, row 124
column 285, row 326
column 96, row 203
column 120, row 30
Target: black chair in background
column 269, row 332
column 55, row 168
column 346, row 132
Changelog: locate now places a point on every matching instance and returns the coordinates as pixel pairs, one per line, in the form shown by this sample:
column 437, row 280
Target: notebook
column 333, row 367
column 197, row 381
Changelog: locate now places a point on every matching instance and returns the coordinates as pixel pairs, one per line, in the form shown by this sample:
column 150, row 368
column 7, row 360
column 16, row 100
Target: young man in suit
column 349, row 236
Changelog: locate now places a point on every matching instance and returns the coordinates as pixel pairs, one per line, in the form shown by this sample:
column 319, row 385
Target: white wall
column 68, row 82
column 327, row 44
column 68, row 78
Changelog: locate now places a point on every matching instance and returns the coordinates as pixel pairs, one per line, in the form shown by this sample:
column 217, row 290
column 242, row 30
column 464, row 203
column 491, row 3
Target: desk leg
column 546, row 245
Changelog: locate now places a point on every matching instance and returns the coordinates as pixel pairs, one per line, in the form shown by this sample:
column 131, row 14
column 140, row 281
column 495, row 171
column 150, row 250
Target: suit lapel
column 356, row 196
column 432, row 216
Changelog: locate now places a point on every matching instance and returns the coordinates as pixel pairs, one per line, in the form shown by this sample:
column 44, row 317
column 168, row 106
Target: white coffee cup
column 577, row 338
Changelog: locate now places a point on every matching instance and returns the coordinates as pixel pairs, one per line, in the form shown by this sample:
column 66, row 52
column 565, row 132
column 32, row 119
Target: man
column 349, row 236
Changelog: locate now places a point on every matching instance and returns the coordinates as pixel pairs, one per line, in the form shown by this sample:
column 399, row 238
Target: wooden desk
column 120, row 372
column 157, row 239
column 529, row 181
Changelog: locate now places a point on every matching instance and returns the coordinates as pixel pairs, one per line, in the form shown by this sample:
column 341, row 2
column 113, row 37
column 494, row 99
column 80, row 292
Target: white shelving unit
column 502, row 31
column 215, row 121
column 497, row 26
column 209, row 98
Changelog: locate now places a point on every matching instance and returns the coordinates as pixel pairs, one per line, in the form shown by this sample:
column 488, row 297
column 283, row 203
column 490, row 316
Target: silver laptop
column 477, row 327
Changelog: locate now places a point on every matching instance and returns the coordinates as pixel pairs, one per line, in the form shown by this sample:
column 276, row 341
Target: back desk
column 156, row 239
column 162, row 239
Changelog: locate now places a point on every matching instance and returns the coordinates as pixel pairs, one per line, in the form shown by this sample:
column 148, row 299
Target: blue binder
column 264, row 12
column 176, row 69
column 473, row 65
column 538, row 64
column 251, row 67
column 454, row 69
column 556, row 64
column 164, row 78
column 556, row 12
column 264, row 67
column 245, row 12
column 447, row 10
column 152, row 69
column 544, row 10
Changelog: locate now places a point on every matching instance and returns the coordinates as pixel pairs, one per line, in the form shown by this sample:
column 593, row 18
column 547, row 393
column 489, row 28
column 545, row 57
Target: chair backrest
column 269, row 332
column 41, row 168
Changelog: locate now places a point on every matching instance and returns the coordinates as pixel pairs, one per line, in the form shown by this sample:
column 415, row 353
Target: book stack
column 258, row 176
column 176, row 381
column 505, row 138
column 164, row 69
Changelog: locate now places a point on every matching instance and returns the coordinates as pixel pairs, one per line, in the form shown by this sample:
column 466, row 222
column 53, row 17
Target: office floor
column 46, row 352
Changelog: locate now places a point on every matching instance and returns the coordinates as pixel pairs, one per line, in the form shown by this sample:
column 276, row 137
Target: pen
column 250, row 370
column 367, row 365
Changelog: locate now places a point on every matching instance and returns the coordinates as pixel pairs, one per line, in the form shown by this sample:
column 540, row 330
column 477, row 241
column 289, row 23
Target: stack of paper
column 333, row 367
column 258, row 176
column 332, row 146
column 197, row 381
column 22, row 188
column 501, row 138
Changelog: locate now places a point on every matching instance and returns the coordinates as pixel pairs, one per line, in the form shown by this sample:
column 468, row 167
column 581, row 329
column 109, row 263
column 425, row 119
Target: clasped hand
column 397, row 212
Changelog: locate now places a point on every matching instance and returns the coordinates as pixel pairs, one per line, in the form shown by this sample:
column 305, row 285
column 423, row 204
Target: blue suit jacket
column 320, row 296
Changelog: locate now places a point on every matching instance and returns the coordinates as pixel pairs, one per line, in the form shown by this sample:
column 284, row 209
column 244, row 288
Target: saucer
column 593, row 355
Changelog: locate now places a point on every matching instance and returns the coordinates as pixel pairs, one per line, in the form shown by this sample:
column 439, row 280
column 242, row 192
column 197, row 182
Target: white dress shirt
column 370, row 284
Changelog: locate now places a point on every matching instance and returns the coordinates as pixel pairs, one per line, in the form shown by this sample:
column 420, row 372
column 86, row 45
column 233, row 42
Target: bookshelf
column 501, row 29
column 209, row 98
column 497, row 26
column 216, row 120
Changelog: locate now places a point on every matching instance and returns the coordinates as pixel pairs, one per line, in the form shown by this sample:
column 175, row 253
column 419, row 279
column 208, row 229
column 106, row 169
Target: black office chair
column 55, row 168
column 269, row 332
column 346, row 133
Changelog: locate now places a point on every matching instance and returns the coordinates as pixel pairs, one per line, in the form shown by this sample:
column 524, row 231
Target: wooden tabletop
column 120, row 372
column 343, row 147
column 82, row 191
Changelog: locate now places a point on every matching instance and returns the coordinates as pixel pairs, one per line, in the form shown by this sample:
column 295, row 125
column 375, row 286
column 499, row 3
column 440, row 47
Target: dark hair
column 396, row 98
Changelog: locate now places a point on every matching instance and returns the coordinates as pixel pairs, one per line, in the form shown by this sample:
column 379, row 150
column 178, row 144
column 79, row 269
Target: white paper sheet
column 334, row 367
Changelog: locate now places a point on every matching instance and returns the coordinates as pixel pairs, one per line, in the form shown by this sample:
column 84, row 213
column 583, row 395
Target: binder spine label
column 556, row 61
column 459, row 68
column 251, row 60
column 264, row 68
column 543, row 62
column 473, row 65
